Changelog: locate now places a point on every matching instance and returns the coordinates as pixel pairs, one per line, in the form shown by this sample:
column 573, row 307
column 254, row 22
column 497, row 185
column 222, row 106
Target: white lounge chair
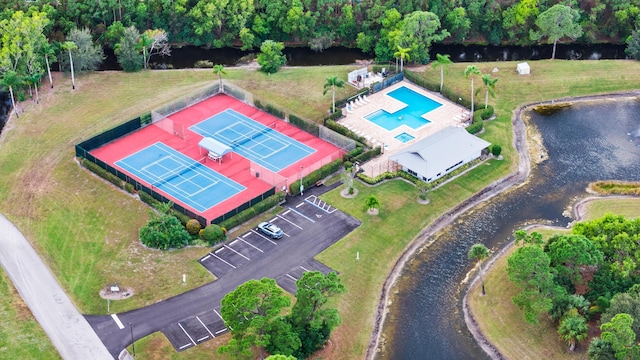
column 357, row 100
column 349, row 109
column 352, row 104
column 364, row 98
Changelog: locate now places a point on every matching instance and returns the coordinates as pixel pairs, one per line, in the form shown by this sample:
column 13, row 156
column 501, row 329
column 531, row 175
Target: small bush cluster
column 213, row 234
column 315, row 176
column 365, row 156
column 496, row 150
column 249, row 213
column 334, row 116
column 193, row 227
column 202, row 64
column 151, row 201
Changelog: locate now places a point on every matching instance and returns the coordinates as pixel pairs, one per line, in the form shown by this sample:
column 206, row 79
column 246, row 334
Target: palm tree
column 442, row 61
column 489, row 85
column 34, row 79
column 372, row 202
column 219, row 70
column 471, row 71
column 402, row 53
column 479, row 252
column 70, row 45
column 573, row 328
column 48, row 51
column 9, row 80
column 332, row 83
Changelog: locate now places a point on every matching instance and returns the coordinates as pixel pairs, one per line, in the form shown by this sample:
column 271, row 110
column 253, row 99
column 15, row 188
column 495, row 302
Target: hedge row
column 343, row 102
column 316, row 176
column 256, row 209
column 307, row 126
column 96, row 169
column 334, row 116
column 352, row 154
column 344, row 131
column 151, row 201
column 478, row 119
column 367, row 155
column 270, row 109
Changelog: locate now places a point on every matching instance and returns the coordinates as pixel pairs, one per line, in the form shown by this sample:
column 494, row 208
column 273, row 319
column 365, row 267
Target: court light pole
column 133, row 344
column 301, row 186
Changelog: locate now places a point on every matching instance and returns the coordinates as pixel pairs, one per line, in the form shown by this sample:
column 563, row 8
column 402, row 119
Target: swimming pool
column 404, row 137
column 410, row 115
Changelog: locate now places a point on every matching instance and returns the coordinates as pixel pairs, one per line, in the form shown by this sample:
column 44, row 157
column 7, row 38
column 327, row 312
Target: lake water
column 585, row 143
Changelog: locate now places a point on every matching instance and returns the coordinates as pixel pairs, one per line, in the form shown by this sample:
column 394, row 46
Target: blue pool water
column 410, row 115
column 404, row 137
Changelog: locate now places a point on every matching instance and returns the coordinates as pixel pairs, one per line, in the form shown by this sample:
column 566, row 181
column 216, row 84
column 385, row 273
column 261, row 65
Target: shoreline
column 423, row 239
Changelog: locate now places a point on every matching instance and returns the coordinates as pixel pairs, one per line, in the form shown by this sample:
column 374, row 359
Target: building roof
column 436, row 153
column 214, row 146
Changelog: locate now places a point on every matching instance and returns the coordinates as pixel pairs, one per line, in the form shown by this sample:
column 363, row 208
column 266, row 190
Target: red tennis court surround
column 232, row 165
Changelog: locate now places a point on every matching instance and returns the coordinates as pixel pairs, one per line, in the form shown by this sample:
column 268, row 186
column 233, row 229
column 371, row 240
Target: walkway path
column 68, row 330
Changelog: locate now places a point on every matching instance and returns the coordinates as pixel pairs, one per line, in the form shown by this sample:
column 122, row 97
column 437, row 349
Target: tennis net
column 246, row 139
column 174, row 174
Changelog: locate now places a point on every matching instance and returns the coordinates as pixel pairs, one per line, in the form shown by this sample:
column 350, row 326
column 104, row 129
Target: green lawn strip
column 20, row 335
column 503, row 323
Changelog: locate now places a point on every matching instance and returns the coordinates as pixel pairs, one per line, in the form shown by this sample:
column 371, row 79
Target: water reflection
column 585, row 143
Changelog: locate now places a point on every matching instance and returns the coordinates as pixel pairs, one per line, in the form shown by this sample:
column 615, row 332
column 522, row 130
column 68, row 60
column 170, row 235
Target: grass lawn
column 87, row 231
column 503, row 323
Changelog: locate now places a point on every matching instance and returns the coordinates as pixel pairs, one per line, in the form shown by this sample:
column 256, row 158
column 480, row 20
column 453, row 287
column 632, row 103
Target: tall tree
column 471, row 72
column 633, row 45
column 402, row 53
column 569, row 253
column 489, row 86
column 10, row 79
column 69, row 46
column 248, row 311
column 557, row 22
column 479, row 252
column 34, row 79
column 218, row 22
column 219, row 70
column 442, row 61
column 573, row 329
column 271, row 58
column 331, row 84
column 619, row 334
column 419, row 30
column 127, row 52
column 154, row 42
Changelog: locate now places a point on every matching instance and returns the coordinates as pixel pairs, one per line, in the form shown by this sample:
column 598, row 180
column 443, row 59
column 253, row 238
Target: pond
column 590, row 141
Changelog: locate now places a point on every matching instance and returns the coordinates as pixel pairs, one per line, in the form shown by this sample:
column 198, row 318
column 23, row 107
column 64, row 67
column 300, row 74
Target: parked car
column 270, row 230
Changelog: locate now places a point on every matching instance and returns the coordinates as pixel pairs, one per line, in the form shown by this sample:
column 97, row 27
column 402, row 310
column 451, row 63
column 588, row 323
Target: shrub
column 334, row 116
column 496, row 150
column 348, row 165
column 193, row 226
column 368, row 155
column 203, row 64
column 164, row 231
column 314, row 176
column 486, row 113
column 213, row 234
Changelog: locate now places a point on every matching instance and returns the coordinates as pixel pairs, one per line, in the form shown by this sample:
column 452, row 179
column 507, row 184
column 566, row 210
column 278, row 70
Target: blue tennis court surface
column 180, row 176
column 253, row 140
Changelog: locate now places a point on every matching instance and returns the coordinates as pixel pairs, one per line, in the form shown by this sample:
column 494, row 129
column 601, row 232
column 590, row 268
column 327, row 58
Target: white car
column 270, row 230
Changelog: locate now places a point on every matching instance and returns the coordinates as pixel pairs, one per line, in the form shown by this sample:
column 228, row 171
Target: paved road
column 289, row 254
column 69, row 332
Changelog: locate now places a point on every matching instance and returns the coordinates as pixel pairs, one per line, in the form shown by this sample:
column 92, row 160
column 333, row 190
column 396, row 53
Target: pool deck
column 449, row 114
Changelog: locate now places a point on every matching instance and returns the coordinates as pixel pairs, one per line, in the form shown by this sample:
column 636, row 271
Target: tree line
column 604, row 255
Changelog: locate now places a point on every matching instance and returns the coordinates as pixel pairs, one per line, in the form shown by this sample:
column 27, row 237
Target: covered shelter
column 523, row 68
column 216, row 149
column 437, row 155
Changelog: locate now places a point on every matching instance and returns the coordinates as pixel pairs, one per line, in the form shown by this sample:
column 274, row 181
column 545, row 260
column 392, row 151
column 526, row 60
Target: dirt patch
column 109, row 293
column 345, row 193
column 372, row 212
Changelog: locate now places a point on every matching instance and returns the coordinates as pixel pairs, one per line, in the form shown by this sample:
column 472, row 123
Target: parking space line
column 233, row 242
column 292, row 223
column 186, row 333
column 237, row 253
column 221, row 331
column 217, row 251
column 294, row 279
column 264, row 237
column 303, row 215
column 205, row 258
column 251, row 245
column 297, row 206
column 247, row 234
column 186, row 345
column 302, row 267
column 117, row 320
column 217, row 313
column 205, row 326
column 217, row 257
column 285, row 213
column 203, row 338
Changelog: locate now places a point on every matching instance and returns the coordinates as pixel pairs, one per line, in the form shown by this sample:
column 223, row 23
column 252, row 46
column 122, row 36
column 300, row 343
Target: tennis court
column 253, row 140
column 180, row 176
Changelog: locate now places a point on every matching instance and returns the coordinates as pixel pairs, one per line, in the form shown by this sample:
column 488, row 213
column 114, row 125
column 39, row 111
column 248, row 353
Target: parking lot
column 301, row 222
